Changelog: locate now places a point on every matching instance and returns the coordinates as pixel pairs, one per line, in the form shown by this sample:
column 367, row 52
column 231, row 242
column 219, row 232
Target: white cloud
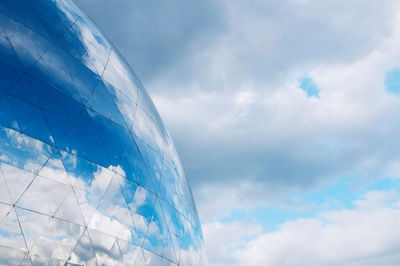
column 223, row 237
column 268, row 132
column 362, row 236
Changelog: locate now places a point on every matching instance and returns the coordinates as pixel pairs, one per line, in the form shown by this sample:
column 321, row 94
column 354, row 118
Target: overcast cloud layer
column 226, row 78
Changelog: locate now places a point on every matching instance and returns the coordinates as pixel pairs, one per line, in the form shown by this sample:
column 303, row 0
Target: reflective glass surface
column 88, row 173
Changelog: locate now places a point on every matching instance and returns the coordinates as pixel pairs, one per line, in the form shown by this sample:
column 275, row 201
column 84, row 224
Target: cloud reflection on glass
column 89, row 175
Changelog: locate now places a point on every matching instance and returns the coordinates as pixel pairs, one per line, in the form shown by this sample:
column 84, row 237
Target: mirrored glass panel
column 88, row 173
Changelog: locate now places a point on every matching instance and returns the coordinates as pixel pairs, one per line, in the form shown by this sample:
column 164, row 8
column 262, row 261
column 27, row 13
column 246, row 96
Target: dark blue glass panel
column 103, row 102
column 28, row 44
column 7, row 52
column 31, row 120
column 7, row 117
column 52, row 65
column 125, row 105
column 133, row 166
column 23, row 91
column 83, row 139
column 9, row 77
column 74, row 44
column 83, row 79
column 113, row 136
column 55, row 102
column 54, row 20
column 24, row 15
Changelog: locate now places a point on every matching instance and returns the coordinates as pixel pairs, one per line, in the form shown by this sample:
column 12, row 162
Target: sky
column 286, row 118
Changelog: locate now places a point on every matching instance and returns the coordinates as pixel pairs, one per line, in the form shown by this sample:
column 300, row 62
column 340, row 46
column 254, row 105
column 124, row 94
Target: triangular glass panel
column 54, row 20
column 8, row 76
column 147, row 129
column 91, row 33
column 52, row 65
column 128, row 251
column 83, row 139
column 134, row 167
column 58, row 129
column 113, row 136
column 10, row 232
column 103, row 102
column 155, row 259
column 31, row 120
column 118, row 74
column 11, row 256
column 55, row 102
column 25, row 15
column 102, row 179
column 175, row 227
column 54, row 169
column 44, row 195
column 72, row 43
column 38, row 259
column 140, row 260
column 83, row 252
column 7, row 52
column 26, row 261
column 86, row 175
column 7, row 117
column 153, row 161
column 4, row 192
column 69, row 210
column 58, row 240
column 17, row 180
column 4, row 210
column 141, row 205
column 126, row 106
column 158, row 239
column 173, row 219
column 23, row 91
column 94, row 59
column 84, row 79
column 33, row 225
column 190, row 252
column 105, row 247
column 113, row 215
column 28, row 45
column 169, row 186
column 88, row 202
column 176, row 244
column 22, row 151
column 145, row 102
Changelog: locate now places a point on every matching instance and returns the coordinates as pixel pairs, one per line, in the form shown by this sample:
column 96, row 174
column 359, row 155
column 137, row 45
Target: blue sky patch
column 339, row 195
column 392, row 81
column 308, row 85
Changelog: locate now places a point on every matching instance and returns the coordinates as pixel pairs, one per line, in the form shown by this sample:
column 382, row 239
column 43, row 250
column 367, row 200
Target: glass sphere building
column 88, row 173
